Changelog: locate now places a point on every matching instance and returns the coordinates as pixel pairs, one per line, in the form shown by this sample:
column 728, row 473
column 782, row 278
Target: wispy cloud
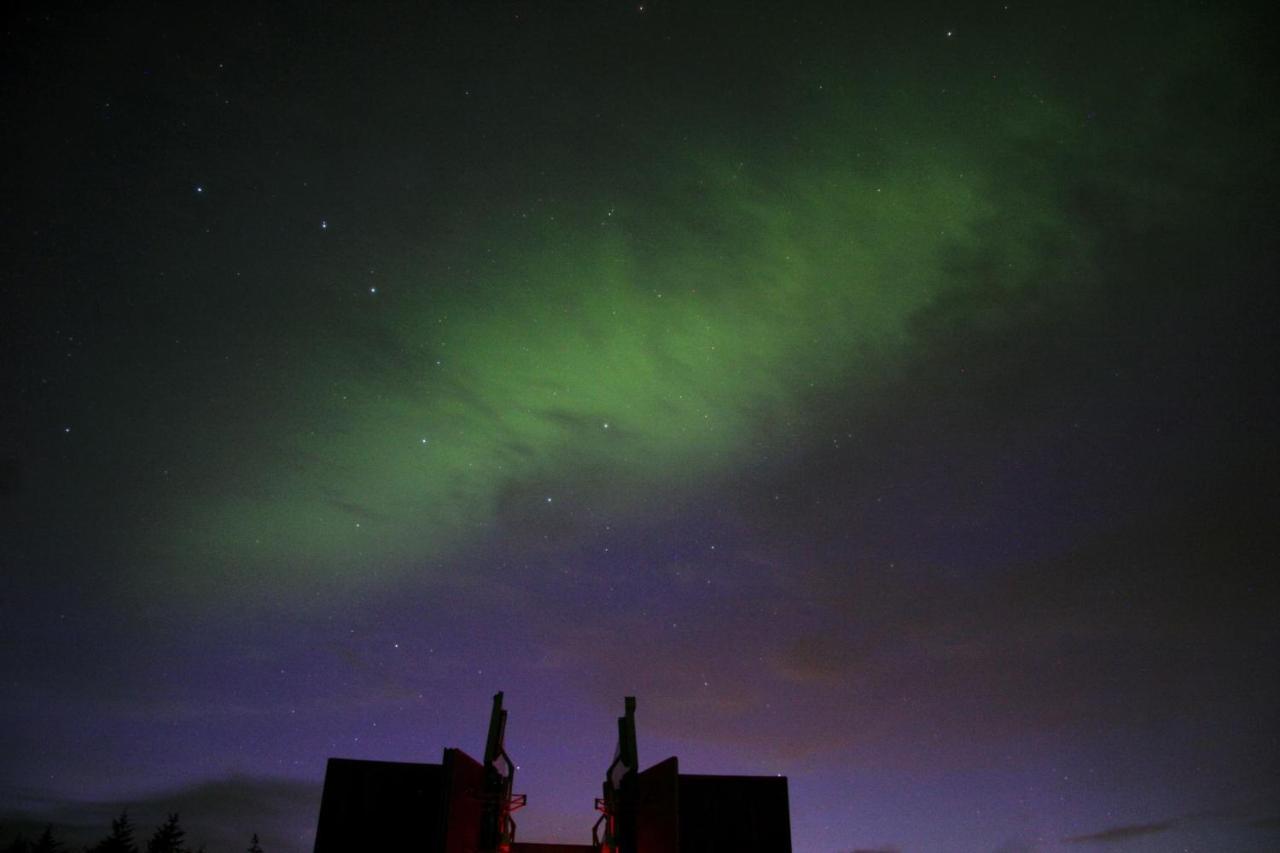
column 1122, row 833
column 220, row 813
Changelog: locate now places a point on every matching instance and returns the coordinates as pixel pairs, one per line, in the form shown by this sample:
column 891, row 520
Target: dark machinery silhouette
column 463, row 806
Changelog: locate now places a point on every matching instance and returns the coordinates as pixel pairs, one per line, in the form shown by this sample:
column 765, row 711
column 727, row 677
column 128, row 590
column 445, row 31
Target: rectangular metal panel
column 734, row 814
column 380, row 805
column 658, row 812
column 464, row 790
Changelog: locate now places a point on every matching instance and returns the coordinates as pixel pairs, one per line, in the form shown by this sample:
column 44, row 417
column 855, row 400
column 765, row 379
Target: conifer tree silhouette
column 19, row 844
column 168, row 837
column 254, row 847
column 46, row 843
column 121, row 838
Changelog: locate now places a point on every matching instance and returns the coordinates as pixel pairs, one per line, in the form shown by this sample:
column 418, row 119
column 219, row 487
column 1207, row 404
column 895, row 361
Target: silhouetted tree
column 121, row 838
column 46, row 843
column 254, row 847
column 19, row 844
column 168, row 837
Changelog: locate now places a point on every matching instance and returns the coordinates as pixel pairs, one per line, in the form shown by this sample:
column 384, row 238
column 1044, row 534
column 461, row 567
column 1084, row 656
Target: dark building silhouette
column 464, row 806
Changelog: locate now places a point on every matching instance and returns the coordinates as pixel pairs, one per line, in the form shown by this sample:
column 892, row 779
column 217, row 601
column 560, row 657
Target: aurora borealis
column 881, row 395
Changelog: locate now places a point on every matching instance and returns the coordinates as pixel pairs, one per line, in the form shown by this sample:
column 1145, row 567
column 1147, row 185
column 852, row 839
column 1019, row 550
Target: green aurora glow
column 693, row 306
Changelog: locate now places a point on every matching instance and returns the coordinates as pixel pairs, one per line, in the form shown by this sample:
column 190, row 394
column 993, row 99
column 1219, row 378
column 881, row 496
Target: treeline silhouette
column 169, row 837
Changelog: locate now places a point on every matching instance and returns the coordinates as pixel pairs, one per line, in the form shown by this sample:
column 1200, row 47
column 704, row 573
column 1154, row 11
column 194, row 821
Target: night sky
column 883, row 396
